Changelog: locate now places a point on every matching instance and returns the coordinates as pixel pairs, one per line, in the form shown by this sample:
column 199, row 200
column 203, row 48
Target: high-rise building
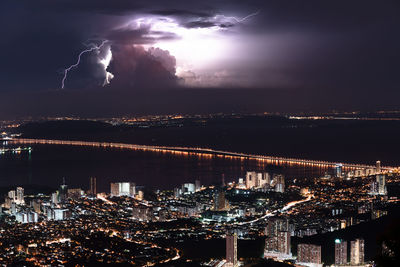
column 63, row 192
column 279, row 181
column 61, row 214
column 13, row 208
column 54, row 197
column 177, row 192
column 283, row 243
column 277, row 236
column 123, row 189
column 308, row 253
column 257, row 180
column 188, row 188
column 251, row 180
column 278, row 244
column 26, row 217
column 197, row 185
column 8, row 202
column 20, row 195
column 75, row 193
column 357, row 251
column 338, row 171
column 12, row 195
column 231, row 250
column 275, row 225
column 378, row 186
column 381, row 180
column 140, row 195
column 267, row 178
column 263, row 180
column 378, row 167
column 114, row 189
column 36, row 204
column 374, row 188
column 340, row 252
column 92, row 186
column 220, row 202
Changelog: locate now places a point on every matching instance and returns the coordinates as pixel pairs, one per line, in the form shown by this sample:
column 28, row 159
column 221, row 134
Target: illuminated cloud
column 105, row 58
column 138, row 32
column 167, row 43
column 136, row 67
column 195, row 48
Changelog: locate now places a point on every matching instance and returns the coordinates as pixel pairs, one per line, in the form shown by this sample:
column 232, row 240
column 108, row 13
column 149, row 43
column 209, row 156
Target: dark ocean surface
column 47, row 165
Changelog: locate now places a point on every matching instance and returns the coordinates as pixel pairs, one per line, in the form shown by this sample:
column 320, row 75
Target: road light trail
column 272, row 213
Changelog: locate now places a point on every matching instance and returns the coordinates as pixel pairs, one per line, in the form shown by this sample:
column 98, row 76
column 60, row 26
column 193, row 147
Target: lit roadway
column 285, row 208
column 202, row 152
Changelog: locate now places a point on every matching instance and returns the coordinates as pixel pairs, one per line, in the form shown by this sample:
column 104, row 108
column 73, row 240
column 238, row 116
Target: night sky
column 162, row 56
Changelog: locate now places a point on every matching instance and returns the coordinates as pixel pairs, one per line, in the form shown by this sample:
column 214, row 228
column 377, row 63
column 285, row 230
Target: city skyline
column 277, row 232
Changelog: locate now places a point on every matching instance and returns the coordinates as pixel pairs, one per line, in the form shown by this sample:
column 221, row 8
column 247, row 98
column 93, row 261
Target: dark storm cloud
column 116, row 7
column 176, row 8
column 214, row 21
column 135, row 67
column 181, row 13
column 226, row 25
column 207, row 24
column 200, row 24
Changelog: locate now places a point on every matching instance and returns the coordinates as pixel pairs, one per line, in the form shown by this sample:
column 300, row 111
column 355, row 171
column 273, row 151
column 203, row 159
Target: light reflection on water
column 47, row 164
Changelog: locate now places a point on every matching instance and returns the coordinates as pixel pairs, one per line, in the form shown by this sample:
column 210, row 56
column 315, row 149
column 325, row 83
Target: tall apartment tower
column 279, row 180
column 277, row 236
column 340, row 252
column 220, row 202
column 309, row 253
column 263, row 180
column 275, row 225
column 231, row 250
column 357, row 251
column 11, row 194
column 251, row 180
column 378, row 167
column 283, row 243
column 20, row 195
column 123, row 189
column 338, row 171
column 381, row 181
column 63, row 192
column 257, row 180
column 197, row 185
column 93, row 186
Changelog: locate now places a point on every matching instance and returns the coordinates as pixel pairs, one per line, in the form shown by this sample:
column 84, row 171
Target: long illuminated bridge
column 202, row 152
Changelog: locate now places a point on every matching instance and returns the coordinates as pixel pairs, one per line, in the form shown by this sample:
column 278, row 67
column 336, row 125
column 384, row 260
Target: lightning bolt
column 92, row 47
column 240, row 20
column 248, row 16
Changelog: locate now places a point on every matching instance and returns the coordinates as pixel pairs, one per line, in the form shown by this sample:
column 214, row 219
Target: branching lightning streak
column 92, row 48
column 239, row 20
